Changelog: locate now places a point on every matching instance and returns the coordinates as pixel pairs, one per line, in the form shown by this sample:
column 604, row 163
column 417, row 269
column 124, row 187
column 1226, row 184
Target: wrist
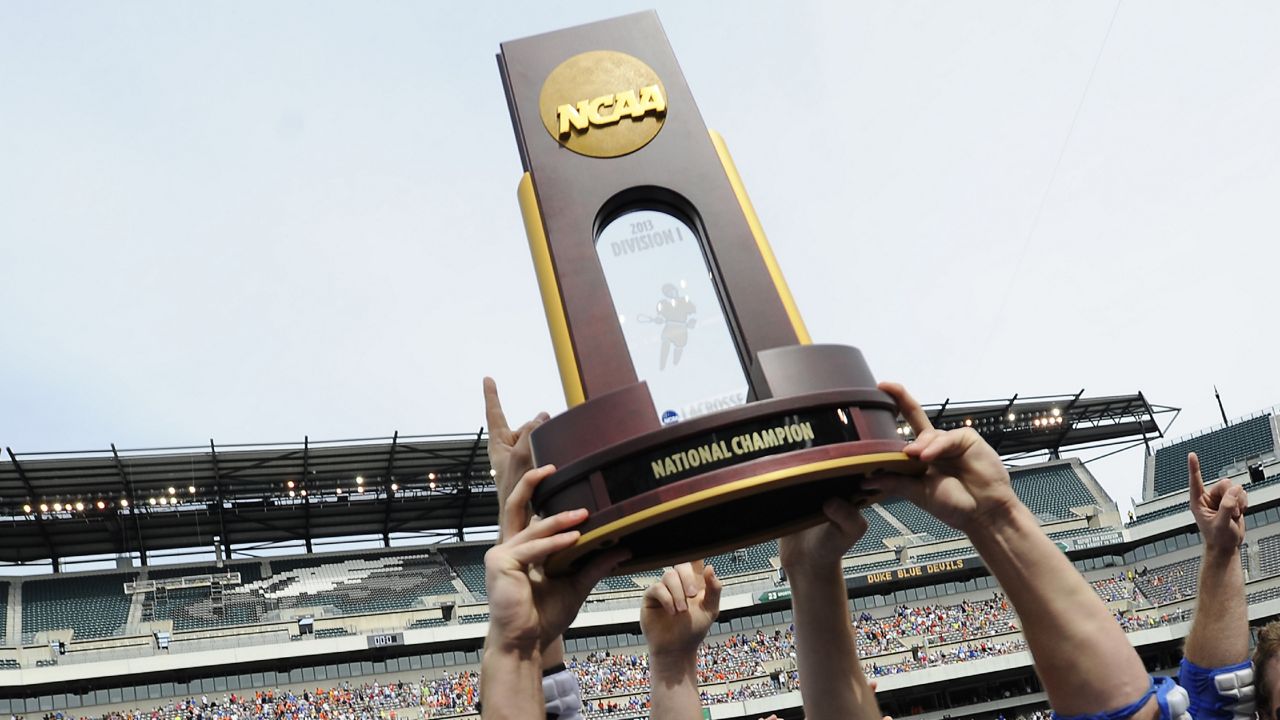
column 502, row 643
column 673, row 664
column 1221, row 553
column 995, row 516
column 809, row 570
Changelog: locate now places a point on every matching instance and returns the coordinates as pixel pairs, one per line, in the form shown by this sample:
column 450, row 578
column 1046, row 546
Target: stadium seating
column 9, row 664
column 944, row 555
column 1162, row 513
column 93, row 606
column 478, row 618
column 878, row 530
column 426, row 623
column 1169, row 583
column 919, row 521
column 4, row 611
column 1216, row 449
column 330, row 632
column 748, row 560
column 1050, row 491
column 468, row 563
column 1269, row 555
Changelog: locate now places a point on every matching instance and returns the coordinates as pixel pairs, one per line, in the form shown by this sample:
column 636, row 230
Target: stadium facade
column 932, row 625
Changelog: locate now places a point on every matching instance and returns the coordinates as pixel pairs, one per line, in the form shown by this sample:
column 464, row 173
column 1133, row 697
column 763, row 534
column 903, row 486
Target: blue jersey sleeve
column 1224, row 693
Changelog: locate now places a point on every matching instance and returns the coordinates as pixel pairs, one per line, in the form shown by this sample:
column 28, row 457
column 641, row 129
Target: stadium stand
column 919, row 521
column 93, row 606
column 468, row 563
column 878, row 530
column 1216, row 449
column 1162, row 513
column 1050, row 491
column 4, row 611
column 757, row 558
column 1169, row 583
column 1268, row 549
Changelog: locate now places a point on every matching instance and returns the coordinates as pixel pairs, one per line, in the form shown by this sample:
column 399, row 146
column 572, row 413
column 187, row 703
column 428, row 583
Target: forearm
column 833, row 685
column 511, row 683
column 674, row 687
column 1082, row 656
column 1220, row 634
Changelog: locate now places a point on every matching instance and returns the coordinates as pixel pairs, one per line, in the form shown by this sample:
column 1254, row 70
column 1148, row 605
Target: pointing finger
column 494, row 417
column 1196, row 482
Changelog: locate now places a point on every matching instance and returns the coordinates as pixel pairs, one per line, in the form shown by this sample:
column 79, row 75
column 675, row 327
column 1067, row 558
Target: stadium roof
column 93, row 503
column 123, row 502
column 1048, row 423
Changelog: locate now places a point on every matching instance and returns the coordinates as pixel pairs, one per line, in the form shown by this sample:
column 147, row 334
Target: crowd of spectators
column 738, row 667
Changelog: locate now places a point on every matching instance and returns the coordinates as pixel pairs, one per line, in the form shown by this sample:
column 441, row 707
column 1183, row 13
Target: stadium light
column 493, row 472
column 124, row 502
column 57, row 507
column 289, row 484
column 304, row 493
column 1055, row 412
column 1012, row 417
column 431, row 477
column 339, row 491
column 101, row 505
column 432, row 485
column 191, row 489
column 151, row 501
column 968, row 422
column 394, row 487
column 79, row 506
column 291, row 493
column 173, row 490
column 26, row 509
column 44, row 508
column 359, row 479
column 164, row 501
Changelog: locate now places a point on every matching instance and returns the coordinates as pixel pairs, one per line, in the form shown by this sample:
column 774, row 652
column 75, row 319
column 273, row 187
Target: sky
column 257, row 221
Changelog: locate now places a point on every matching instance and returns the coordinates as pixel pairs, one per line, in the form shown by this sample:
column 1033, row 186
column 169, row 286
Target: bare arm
column 1220, row 629
column 675, row 616
column 1082, row 656
column 833, row 685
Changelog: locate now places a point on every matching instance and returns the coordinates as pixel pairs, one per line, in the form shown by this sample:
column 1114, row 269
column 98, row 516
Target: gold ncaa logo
column 603, row 103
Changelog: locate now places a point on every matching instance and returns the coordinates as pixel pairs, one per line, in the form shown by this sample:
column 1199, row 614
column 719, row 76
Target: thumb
column 711, row 600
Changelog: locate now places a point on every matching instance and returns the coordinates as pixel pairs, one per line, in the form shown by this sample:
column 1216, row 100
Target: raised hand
column 509, row 452
column 965, row 485
column 1219, row 511
column 527, row 609
column 821, row 547
column 678, row 610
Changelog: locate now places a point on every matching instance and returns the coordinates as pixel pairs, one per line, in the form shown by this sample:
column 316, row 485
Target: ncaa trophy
column 701, row 417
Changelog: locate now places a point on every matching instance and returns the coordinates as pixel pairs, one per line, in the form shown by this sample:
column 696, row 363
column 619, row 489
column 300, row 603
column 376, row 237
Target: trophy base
column 736, row 507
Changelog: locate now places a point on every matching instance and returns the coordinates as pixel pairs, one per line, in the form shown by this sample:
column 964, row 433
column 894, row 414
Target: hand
column 1219, row 511
column 821, row 547
column 509, row 453
column 965, row 484
column 678, row 610
column 527, row 609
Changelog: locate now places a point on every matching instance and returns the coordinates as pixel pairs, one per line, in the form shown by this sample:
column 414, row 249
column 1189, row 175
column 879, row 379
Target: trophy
column 701, row 417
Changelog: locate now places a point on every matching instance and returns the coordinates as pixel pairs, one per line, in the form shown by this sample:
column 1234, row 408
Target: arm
column 1215, row 669
column 1082, row 656
column 826, row 649
column 1220, row 636
column 511, row 457
column 527, row 608
column 675, row 616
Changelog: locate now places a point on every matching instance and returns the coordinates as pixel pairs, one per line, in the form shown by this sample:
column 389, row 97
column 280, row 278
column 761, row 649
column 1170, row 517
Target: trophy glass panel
column 670, row 313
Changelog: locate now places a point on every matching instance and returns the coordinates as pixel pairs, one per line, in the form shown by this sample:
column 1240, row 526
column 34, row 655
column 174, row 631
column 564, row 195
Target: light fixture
column 431, row 476
column 339, row 491
column 79, row 506
column 26, row 509
column 432, row 485
column 1012, row 417
column 968, row 422
column 57, row 507
column 1055, row 412
column 173, row 490
column 191, row 489
column 44, row 507
column 394, row 487
column 291, row 493
column 151, row 501
column 304, row 493
column 289, row 484
column 101, row 505
column 164, row 501
column 359, row 479
column 493, row 472
column 124, row 502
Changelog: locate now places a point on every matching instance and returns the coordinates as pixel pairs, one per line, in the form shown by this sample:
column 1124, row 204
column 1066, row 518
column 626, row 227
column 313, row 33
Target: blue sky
column 258, row 221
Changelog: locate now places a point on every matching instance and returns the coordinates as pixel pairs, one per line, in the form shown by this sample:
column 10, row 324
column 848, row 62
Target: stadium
column 281, row 612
